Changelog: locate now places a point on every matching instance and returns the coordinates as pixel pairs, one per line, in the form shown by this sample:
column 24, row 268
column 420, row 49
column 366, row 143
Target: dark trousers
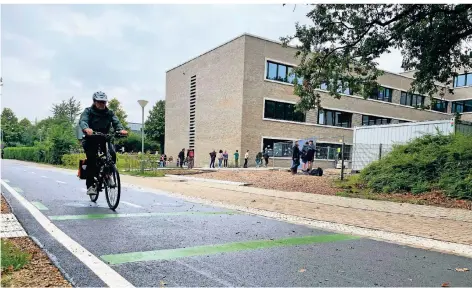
column 295, row 164
column 245, row 163
column 212, row 163
column 225, row 163
column 91, row 149
column 181, row 162
column 266, row 161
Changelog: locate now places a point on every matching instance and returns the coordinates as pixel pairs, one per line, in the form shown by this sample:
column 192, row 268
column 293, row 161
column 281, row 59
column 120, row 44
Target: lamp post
column 142, row 103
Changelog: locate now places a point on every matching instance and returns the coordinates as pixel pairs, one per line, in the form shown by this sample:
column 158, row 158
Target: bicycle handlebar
column 116, row 134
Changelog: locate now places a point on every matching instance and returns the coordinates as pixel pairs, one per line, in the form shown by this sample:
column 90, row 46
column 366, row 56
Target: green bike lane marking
column 170, row 254
column 39, row 205
column 18, row 189
column 127, row 215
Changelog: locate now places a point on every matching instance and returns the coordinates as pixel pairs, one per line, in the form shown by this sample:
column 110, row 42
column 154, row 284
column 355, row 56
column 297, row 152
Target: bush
column 35, row 154
column 425, row 164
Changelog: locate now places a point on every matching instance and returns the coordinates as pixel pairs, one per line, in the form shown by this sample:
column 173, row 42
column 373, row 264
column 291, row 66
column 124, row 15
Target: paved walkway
column 444, row 224
column 10, row 227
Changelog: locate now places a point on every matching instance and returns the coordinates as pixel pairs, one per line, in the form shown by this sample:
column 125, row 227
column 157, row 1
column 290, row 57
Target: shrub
column 424, row 164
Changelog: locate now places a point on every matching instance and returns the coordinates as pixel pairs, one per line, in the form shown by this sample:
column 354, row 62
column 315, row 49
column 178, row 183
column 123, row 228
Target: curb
column 208, row 180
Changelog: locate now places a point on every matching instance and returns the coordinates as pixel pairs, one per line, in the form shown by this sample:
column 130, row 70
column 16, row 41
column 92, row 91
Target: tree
column 115, row 105
column 28, row 132
column 11, row 133
column 155, row 123
column 342, row 45
column 69, row 109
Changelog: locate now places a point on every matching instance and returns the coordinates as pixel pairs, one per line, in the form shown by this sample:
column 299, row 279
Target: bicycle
column 106, row 170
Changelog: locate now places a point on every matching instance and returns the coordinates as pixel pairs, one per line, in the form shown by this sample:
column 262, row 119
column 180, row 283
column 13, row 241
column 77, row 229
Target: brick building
column 238, row 96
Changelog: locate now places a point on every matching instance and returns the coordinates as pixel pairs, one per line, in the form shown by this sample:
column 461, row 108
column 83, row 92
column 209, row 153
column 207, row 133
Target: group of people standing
column 223, row 158
column 189, row 159
column 307, row 155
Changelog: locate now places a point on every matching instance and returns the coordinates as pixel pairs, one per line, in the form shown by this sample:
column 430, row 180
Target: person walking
column 181, row 157
column 236, row 159
column 225, row 159
column 295, row 158
column 212, row 159
column 190, row 157
column 220, row 158
column 258, row 159
column 246, row 158
column 266, row 157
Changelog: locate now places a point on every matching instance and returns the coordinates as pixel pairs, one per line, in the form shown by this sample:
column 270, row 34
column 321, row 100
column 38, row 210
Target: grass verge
column 13, row 259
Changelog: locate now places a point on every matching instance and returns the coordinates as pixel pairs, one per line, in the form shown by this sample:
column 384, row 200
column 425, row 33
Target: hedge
column 124, row 161
column 35, row 154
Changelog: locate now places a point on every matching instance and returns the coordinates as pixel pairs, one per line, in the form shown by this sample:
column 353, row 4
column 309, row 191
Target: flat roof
column 229, row 41
column 280, row 43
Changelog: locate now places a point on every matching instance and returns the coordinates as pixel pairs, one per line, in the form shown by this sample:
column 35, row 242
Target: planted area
column 430, row 163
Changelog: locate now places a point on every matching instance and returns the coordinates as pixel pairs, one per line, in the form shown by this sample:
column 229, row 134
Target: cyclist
column 100, row 119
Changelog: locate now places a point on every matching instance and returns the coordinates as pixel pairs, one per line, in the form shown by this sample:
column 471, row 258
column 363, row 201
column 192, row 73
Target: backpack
column 82, row 172
column 316, row 172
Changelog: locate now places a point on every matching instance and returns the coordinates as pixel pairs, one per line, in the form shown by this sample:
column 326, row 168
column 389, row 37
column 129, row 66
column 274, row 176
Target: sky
column 50, row 53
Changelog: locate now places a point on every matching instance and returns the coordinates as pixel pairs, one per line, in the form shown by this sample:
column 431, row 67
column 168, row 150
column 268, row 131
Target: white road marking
column 83, row 189
column 131, row 204
column 60, row 182
column 6, row 180
column 44, row 176
column 33, row 172
column 102, row 270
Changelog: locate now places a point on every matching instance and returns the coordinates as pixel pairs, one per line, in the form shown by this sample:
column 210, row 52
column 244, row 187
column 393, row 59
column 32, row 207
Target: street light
column 142, row 103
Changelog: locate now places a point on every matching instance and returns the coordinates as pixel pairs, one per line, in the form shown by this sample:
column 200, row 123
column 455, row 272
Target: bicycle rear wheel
column 113, row 193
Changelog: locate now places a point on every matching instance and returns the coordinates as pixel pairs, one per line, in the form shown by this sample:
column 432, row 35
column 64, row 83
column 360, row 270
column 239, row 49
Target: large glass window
column 411, row 99
column 277, row 147
column 439, row 105
column 334, row 118
column 462, row 106
column 368, row 120
column 328, row 151
column 282, row 111
column 382, row 94
column 281, row 73
column 463, row 80
column 344, row 88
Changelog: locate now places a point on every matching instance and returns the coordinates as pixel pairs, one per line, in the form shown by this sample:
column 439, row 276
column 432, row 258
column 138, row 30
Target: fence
column 364, row 154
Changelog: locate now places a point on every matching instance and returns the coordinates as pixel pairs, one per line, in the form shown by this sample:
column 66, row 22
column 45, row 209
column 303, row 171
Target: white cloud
column 20, row 71
column 108, row 25
column 28, row 46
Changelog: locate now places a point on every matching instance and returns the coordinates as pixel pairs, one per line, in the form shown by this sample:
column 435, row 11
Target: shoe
column 92, row 190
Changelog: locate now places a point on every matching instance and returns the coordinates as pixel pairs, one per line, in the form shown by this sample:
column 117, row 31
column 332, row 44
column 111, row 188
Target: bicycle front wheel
column 113, row 192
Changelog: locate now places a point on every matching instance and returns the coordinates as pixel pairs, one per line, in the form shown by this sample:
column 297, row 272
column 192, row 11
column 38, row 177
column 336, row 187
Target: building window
column 328, row 151
column 282, row 73
column 277, row 147
column 343, row 89
column 382, row 94
column 462, row 106
column 439, row 105
column 463, row 80
column 368, row 120
column 334, row 118
column 282, row 111
column 403, row 121
column 409, row 99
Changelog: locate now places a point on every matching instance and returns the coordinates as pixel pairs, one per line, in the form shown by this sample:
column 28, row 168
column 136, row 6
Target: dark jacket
column 99, row 120
column 296, row 153
column 181, row 155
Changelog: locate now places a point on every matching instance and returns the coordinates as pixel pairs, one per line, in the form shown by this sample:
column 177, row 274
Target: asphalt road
column 155, row 239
